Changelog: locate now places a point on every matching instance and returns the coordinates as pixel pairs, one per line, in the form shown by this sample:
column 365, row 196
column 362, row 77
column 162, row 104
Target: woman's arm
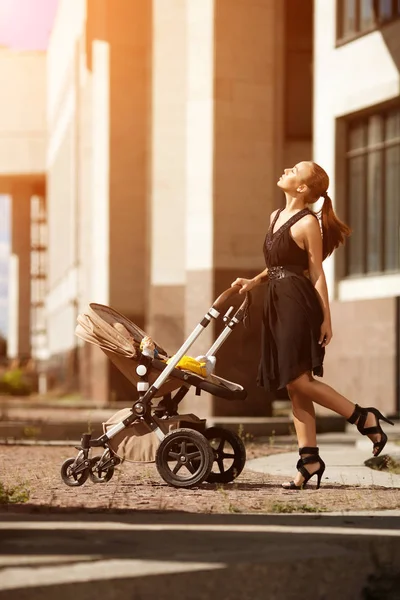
column 313, row 245
column 249, row 284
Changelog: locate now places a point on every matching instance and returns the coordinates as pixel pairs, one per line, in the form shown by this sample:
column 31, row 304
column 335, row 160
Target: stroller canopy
column 111, row 331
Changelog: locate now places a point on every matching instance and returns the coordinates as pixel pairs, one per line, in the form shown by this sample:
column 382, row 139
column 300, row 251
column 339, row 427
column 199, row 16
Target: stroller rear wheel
column 100, row 474
column 229, row 455
column 184, row 458
column 74, row 476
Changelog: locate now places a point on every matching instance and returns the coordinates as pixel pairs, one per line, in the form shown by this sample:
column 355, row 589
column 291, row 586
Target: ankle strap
column 360, row 416
column 310, row 460
column 358, row 411
column 308, row 450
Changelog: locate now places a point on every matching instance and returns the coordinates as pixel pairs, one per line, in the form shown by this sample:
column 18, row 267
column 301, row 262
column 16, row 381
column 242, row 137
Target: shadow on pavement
column 145, row 555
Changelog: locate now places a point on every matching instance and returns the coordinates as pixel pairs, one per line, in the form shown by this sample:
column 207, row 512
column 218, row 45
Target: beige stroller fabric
column 119, row 339
column 108, row 329
column 138, row 443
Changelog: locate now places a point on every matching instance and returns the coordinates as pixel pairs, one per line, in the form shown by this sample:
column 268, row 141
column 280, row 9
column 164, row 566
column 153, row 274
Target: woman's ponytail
column 334, row 231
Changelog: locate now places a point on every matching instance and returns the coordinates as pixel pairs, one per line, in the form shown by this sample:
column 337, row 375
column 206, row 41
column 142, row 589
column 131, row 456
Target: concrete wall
column 22, row 167
column 98, row 173
column 167, row 206
column 62, row 165
column 343, row 85
column 248, row 149
column 22, row 114
column 162, row 167
column 361, row 360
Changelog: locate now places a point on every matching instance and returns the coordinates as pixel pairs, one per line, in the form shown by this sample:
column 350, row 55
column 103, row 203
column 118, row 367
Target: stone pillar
column 167, row 210
column 19, row 326
column 199, row 187
column 234, row 156
column 121, row 87
column 247, row 151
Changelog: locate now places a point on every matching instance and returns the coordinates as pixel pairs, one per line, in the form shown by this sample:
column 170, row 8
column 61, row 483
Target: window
column 373, row 193
column 356, row 17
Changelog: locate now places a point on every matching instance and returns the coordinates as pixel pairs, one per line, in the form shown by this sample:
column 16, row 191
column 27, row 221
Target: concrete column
column 234, row 155
column 120, row 48
column 247, row 152
column 167, row 211
column 199, row 190
column 19, row 326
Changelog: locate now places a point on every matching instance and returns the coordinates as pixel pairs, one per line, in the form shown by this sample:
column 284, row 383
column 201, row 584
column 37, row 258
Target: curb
column 250, row 427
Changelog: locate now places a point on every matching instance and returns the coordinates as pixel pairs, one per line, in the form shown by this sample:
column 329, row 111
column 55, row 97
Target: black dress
column 292, row 314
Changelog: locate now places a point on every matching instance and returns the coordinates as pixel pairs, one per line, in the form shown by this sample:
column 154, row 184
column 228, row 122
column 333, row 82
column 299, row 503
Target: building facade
column 22, row 178
column 167, row 131
column 168, row 125
column 357, row 139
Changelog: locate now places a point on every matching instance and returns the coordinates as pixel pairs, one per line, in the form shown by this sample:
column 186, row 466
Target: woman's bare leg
column 305, row 390
column 304, row 419
column 322, row 394
column 326, row 396
column 305, row 425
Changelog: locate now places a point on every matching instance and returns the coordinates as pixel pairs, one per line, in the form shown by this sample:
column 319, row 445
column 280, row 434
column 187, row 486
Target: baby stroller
column 185, row 451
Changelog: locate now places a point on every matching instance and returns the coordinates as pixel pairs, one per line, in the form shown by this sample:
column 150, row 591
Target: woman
column 296, row 318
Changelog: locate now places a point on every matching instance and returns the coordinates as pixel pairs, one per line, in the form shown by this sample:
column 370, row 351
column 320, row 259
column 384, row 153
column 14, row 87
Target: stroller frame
column 75, row 472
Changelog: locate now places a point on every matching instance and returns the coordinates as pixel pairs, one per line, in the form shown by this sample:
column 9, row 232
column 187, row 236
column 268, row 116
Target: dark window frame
column 387, row 142
column 358, row 32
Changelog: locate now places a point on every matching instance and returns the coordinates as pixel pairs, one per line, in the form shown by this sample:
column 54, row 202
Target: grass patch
column 295, row 507
column 14, row 495
column 384, row 463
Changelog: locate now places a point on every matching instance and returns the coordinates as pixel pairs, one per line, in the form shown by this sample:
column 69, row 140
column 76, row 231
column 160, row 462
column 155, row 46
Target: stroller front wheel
column 184, row 458
column 72, row 474
column 98, row 474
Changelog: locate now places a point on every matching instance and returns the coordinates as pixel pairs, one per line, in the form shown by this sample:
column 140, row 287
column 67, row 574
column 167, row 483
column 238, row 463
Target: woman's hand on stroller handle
column 220, row 301
column 245, row 285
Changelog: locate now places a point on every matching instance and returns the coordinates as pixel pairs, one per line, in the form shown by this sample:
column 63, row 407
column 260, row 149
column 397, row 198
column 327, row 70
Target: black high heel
column 360, row 415
column 308, row 460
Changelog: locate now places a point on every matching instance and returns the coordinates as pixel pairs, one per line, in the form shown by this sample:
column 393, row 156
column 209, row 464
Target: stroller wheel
column 100, row 475
column 184, row 458
column 70, row 476
column 229, row 455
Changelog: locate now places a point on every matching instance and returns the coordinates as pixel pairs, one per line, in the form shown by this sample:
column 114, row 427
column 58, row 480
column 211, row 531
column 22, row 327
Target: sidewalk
column 344, row 463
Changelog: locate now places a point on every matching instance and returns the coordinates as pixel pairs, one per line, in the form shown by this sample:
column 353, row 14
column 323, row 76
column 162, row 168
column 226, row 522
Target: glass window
column 367, row 17
column 375, row 130
column 356, row 195
column 373, row 188
column 392, row 209
column 385, row 9
column 355, row 17
column 357, row 136
column 374, row 212
column 348, row 18
column 393, row 125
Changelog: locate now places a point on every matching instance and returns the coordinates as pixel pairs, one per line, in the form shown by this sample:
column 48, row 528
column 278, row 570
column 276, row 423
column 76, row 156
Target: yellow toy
column 191, row 364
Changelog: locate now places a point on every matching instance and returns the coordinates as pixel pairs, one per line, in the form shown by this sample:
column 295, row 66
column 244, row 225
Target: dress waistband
column 279, row 272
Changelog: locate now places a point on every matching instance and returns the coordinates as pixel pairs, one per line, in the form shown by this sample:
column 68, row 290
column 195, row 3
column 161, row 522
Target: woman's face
column 295, row 178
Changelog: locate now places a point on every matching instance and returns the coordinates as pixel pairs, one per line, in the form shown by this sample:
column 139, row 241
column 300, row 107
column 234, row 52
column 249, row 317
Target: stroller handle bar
column 139, row 408
column 213, row 313
column 222, row 298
